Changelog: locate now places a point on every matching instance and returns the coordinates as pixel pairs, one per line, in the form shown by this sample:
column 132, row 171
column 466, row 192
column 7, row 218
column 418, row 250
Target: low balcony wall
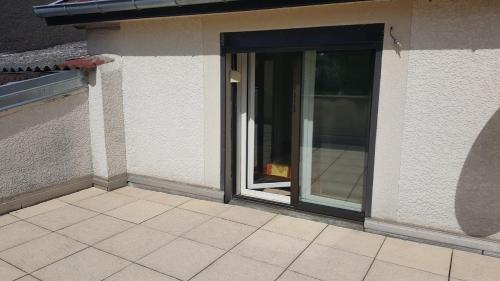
column 45, row 148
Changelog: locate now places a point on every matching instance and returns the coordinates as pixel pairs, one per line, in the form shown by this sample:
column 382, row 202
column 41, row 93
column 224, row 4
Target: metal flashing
column 28, row 91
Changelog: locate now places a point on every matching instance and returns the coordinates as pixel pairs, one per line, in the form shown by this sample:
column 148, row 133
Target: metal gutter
column 45, row 87
column 59, row 8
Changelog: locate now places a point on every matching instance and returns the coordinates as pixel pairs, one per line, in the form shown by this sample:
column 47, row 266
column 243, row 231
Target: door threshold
column 249, row 198
column 266, row 196
column 288, row 210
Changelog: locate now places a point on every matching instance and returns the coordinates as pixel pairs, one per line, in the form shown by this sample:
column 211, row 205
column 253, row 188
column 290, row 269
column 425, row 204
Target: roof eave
column 60, row 8
column 200, row 7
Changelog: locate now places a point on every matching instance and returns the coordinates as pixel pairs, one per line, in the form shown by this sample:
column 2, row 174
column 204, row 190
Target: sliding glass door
column 304, row 126
column 336, row 99
column 304, row 122
column 270, row 119
column 265, row 105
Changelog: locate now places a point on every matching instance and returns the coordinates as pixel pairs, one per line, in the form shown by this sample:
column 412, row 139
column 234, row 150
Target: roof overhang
column 62, row 12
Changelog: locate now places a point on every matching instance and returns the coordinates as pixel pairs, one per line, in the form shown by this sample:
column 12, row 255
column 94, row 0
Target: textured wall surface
column 171, row 86
column 450, row 164
column 162, row 97
column 44, row 144
column 96, row 121
column 106, row 120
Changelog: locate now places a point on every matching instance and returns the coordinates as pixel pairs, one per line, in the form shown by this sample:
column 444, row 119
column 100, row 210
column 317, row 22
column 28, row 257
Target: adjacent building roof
column 45, row 59
column 86, row 11
column 21, row 66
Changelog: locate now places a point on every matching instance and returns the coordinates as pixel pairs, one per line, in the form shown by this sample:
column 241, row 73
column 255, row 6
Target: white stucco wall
column 162, row 97
column 171, row 86
column 44, row 144
column 107, row 119
column 453, row 92
column 96, row 121
column 438, row 117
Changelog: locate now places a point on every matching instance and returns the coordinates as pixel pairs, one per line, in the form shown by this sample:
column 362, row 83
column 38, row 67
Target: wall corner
column 107, row 125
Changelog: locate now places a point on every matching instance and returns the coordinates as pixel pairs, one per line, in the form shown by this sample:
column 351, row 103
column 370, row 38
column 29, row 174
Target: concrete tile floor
column 150, row 236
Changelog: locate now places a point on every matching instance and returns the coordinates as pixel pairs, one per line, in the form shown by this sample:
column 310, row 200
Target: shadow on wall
column 477, row 201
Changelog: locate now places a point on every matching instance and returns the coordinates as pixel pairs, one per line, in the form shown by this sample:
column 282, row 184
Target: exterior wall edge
column 111, row 183
column 177, row 188
column 431, row 236
column 50, row 192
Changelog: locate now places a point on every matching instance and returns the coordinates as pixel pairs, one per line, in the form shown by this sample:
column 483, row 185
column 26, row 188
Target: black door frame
column 348, row 37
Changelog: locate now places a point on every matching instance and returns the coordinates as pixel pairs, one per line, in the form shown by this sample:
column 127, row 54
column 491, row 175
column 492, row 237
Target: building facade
column 385, row 112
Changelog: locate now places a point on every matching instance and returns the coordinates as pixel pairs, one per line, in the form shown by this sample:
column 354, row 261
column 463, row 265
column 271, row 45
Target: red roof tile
column 84, row 62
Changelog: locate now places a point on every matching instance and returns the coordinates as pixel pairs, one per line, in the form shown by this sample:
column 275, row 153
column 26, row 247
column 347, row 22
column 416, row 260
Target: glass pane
column 336, row 98
column 273, row 116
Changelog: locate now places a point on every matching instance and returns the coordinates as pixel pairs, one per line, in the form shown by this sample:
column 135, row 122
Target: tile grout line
column 73, row 205
column 115, row 234
column 414, row 268
column 355, row 184
column 205, row 243
column 155, row 250
column 211, row 217
column 301, row 252
column 210, row 245
column 56, row 231
column 104, row 214
column 17, row 219
column 67, row 236
column 92, row 196
column 148, row 200
column 401, row 265
column 59, row 260
column 349, row 251
column 374, row 259
column 131, row 262
column 118, row 233
column 39, row 237
column 15, row 267
column 81, row 242
column 30, row 240
column 27, row 275
column 139, row 264
column 284, row 234
column 58, row 199
column 228, row 251
column 331, row 164
column 77, row 222
column 177, row 237
column 134, row 225
column 199, row 212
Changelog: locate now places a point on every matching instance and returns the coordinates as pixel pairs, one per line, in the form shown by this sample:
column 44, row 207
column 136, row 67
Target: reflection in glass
column 336, row 98
column 273, row 116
